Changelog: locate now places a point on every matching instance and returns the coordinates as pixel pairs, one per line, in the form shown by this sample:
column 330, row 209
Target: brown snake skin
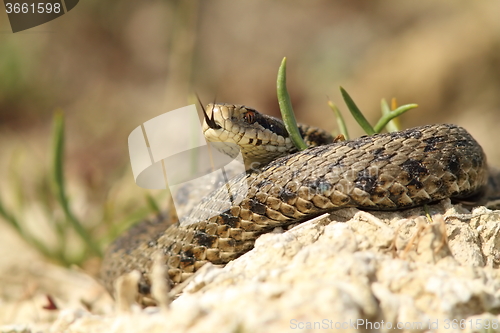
column 381, row 172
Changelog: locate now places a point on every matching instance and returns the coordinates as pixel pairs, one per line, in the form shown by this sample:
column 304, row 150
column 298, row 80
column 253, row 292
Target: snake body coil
column 381, row 172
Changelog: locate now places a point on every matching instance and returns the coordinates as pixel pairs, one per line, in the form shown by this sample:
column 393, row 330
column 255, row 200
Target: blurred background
column 110, row 66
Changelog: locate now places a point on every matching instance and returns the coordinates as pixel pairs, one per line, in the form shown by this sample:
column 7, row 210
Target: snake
column 284, row 186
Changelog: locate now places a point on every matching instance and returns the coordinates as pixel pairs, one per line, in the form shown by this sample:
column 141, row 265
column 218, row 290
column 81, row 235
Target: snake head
column 238, row 128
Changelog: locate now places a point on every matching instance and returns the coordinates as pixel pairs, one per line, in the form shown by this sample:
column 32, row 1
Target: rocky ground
column 351, row 271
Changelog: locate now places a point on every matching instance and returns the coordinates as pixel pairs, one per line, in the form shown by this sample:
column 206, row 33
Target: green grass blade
column 391, row 125
column 60, row 187
column 287, row 110
column 152, row 204
column 356, row 113
column 340, row 120
column 393, row 114
column 7, row 216
column 384, row 106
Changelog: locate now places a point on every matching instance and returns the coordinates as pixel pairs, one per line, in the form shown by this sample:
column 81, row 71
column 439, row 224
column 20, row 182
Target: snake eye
column 249, row 116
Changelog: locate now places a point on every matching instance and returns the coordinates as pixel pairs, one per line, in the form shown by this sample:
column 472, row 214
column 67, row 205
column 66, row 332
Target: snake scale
column 390, row 171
